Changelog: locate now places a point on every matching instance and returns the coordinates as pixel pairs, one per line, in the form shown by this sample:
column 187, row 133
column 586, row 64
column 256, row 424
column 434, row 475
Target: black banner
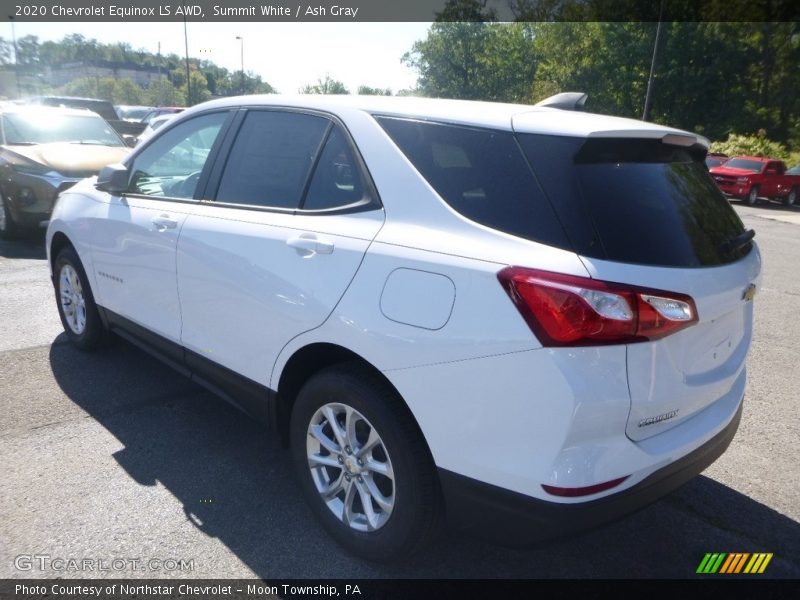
column 384, row 589
column 398, row 10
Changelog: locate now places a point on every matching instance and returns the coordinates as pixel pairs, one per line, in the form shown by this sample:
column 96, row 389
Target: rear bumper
column 508, row 517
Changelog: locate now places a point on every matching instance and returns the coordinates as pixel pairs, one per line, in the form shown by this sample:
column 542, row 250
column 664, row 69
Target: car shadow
column 772, row 205
column 31, row 247
column 235, row 483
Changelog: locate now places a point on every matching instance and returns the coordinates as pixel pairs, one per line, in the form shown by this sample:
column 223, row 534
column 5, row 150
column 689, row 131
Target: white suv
column 527, row 319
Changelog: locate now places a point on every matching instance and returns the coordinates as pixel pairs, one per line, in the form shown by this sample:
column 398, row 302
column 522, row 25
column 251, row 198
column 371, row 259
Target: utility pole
column 186, row 45
column 648, row 98
column 14, row 41
column 160, row 100
column 241, row 81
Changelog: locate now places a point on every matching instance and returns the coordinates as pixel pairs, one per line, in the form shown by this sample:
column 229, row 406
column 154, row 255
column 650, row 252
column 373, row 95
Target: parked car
column 793, row 171
column 752, row 177
column 44, row 151
column 127, row 129
column 715, row 159
column 132, row 112
column 445, row 308
column 161, row 110
column 152, row 126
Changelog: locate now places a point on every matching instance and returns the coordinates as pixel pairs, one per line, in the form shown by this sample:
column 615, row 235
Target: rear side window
column 636, row 201
column 480, row 173
column 337, row 180
column 271, row 159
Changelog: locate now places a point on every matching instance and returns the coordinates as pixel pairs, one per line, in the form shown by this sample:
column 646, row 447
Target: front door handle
column 164, row 222
column 308, row 244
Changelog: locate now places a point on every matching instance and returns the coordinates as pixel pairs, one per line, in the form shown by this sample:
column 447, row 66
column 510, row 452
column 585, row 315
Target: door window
column 171, row 165
column 271, row 158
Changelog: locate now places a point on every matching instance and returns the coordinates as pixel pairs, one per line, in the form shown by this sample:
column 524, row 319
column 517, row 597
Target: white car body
column 412, row 289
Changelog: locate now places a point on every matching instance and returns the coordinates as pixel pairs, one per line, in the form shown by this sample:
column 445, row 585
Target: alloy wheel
column 350, row 467
column 73, row 303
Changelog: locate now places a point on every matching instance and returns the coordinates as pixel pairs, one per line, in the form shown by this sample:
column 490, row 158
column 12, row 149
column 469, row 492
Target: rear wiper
column 737, row 242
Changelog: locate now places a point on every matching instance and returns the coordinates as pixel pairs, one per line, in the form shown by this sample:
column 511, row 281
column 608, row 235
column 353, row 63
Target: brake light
column 566, row 310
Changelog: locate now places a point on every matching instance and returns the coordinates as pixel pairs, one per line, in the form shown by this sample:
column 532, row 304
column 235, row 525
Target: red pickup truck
column 752, row 177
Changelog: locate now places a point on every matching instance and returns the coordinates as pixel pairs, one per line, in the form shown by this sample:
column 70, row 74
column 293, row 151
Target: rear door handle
column 308, row 244
column 163, row 222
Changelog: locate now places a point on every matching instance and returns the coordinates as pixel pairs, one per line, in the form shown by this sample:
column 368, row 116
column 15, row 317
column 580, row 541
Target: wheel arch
column 311, row 359
column 57, row 244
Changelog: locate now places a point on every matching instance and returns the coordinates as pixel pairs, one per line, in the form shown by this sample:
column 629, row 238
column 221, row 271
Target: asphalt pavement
column 115, row 459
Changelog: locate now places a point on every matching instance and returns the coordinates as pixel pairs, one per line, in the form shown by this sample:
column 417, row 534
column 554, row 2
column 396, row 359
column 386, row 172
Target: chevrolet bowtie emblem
column 749, row 292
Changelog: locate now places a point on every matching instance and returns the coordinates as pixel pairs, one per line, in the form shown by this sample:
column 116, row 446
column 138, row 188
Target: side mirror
column 113, row 179
column 130, row 140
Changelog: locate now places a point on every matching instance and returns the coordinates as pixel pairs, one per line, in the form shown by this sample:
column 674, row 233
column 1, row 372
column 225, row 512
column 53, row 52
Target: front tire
column 9, row 228
column 362, row 464
column 76, row 306
column 791, row 197
column 752, row 196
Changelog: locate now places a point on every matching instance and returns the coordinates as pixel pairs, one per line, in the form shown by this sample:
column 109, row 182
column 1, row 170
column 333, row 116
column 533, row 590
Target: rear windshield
column 745, row 164
column 636, row 201
column 624, row 200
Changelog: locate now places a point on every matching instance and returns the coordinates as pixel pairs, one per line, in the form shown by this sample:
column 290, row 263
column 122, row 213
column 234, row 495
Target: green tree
column 6, row 52
column 93, row 87
column 28, row 51
column 161, row 92
column 476, row 60
column 127, row 92
column 198, row 90
column 751, row 145
column 365, row 90
column 325, row 86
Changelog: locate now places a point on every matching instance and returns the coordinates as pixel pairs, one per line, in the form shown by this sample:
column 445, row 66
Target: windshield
column 44, row 128
column 744, row 164
column 715, row 161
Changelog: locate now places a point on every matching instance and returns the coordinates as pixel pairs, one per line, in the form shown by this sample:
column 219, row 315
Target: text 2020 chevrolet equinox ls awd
column 526, row 318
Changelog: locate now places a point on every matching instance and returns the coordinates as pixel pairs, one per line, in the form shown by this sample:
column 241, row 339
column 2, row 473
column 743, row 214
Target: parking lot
column 114, row 456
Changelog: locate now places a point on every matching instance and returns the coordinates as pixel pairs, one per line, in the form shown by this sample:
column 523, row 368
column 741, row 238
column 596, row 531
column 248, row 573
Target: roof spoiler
column 565, row 101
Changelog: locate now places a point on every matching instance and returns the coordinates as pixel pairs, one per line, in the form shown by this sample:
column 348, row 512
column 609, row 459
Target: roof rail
column 565, row 101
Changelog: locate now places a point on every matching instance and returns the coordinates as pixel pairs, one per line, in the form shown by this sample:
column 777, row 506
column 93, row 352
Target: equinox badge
column 658, row 419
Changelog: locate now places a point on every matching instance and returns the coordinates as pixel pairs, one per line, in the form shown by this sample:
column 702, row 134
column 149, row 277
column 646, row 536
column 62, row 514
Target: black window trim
column 207, row 168
column 370, row 202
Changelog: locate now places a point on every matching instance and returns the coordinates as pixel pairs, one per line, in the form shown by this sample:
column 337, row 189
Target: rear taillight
column 565, row 310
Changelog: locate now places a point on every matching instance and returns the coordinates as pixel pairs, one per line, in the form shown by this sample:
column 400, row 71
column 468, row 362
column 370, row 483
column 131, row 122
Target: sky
column 286, row 55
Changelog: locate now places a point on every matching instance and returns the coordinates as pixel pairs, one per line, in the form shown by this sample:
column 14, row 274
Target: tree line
column 714, row 78
column 34, row 59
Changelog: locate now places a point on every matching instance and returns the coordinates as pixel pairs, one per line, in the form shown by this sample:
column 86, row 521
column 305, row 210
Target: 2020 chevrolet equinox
column 525, row 319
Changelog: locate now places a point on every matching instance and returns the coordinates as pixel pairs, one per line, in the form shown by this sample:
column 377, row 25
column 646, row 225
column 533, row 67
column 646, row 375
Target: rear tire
column 76, row 306
column 752, row 196
column 791, row 198
column 378, row 496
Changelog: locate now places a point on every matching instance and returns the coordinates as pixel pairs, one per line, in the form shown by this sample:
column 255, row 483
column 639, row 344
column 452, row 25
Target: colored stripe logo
column 734, row 563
